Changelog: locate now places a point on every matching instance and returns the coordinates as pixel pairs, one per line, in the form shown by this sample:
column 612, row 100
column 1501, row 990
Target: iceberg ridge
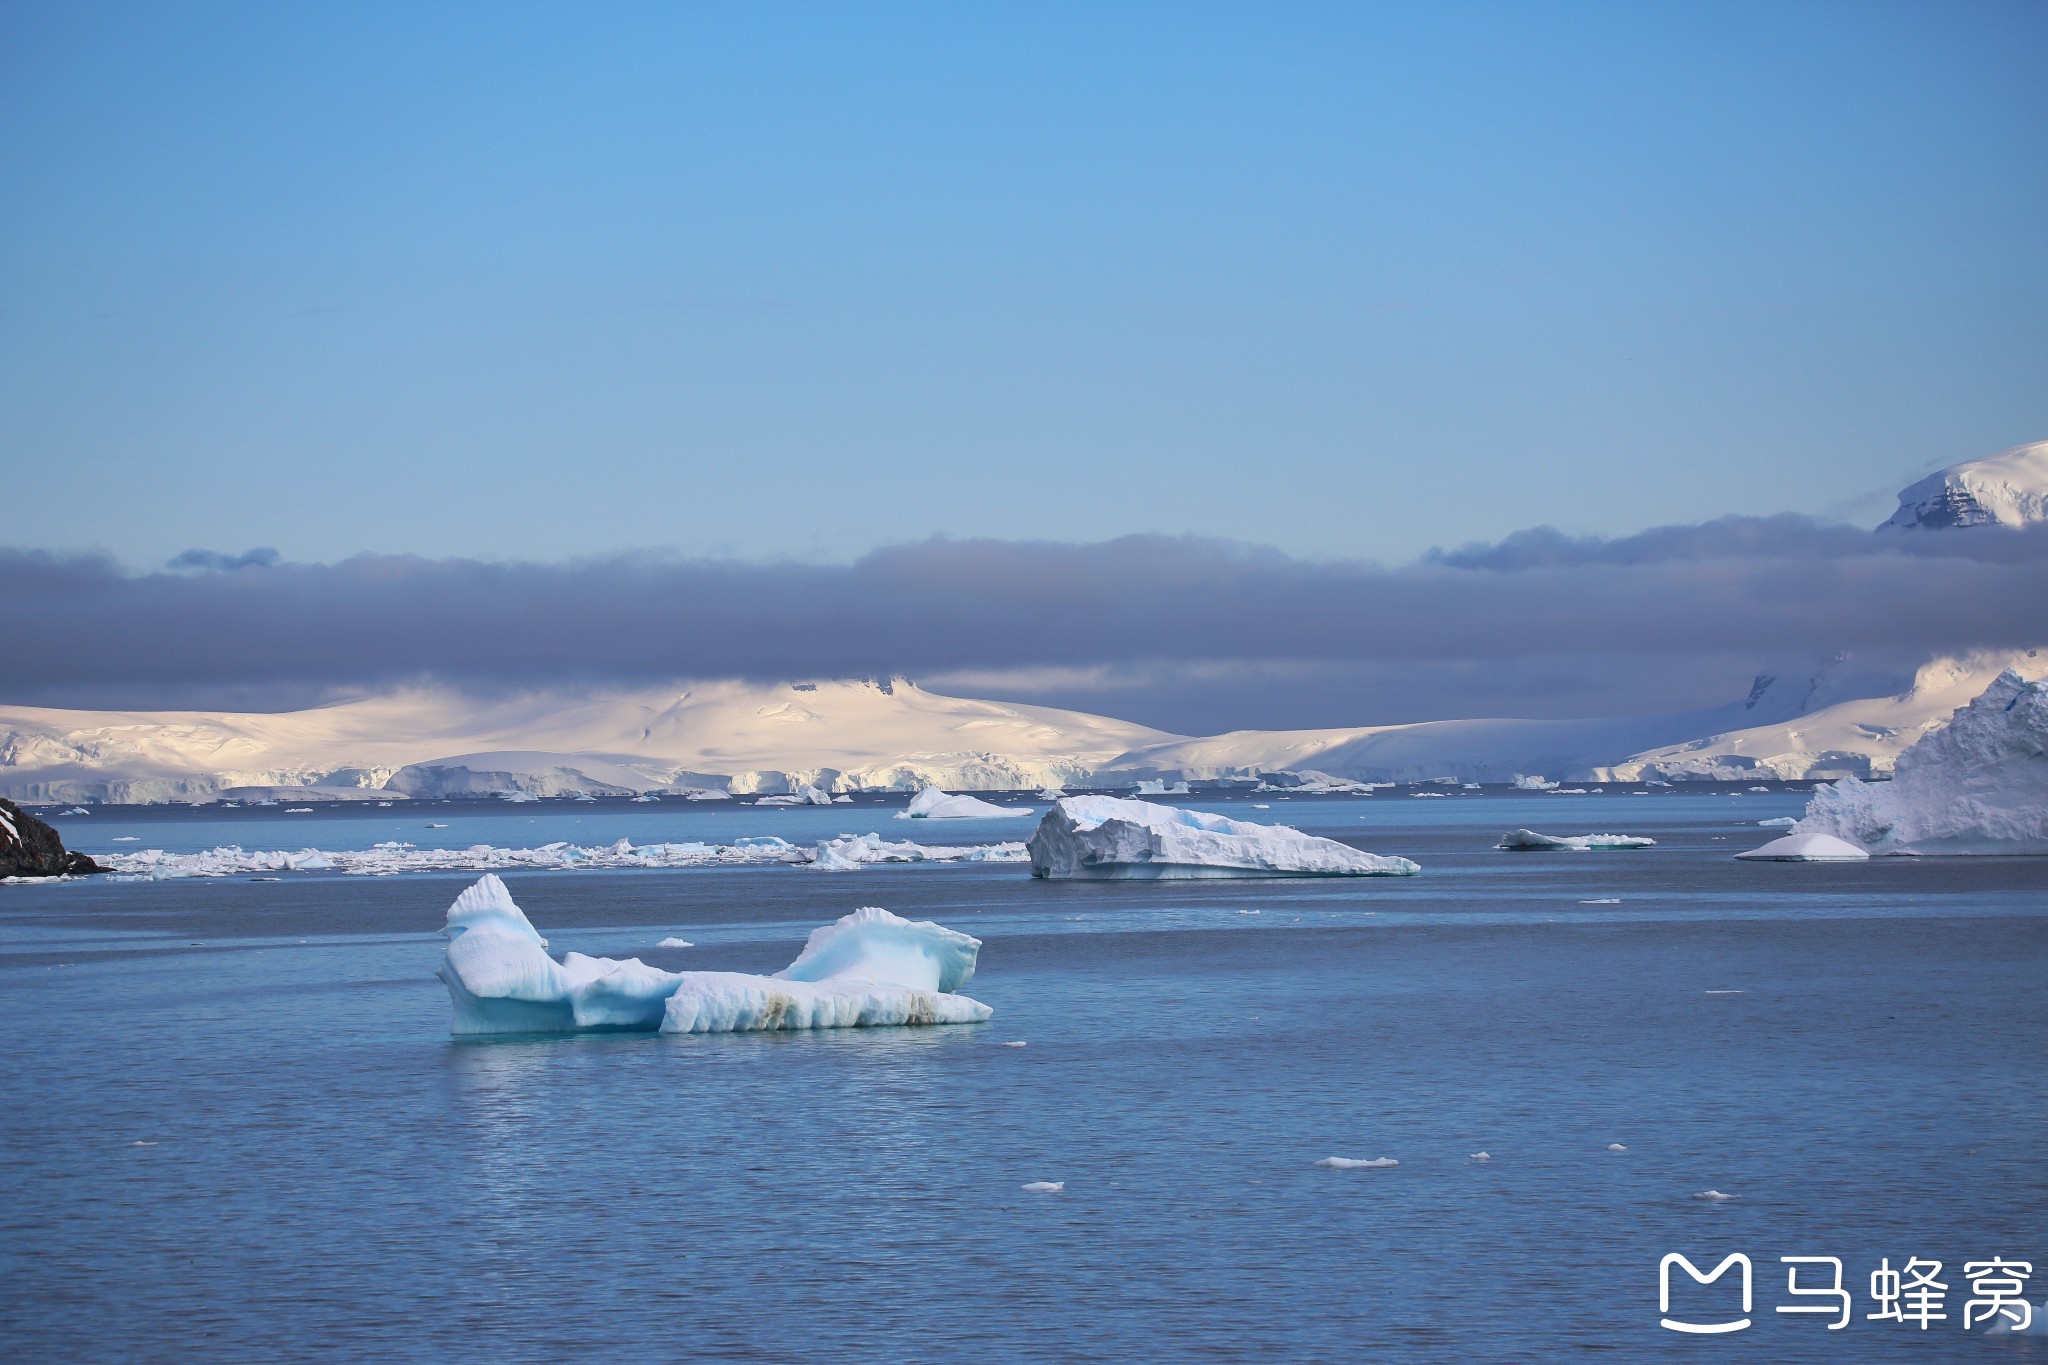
column 1103, row 837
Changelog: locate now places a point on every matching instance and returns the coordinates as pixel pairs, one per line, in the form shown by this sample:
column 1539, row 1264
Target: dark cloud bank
column 1191, row 634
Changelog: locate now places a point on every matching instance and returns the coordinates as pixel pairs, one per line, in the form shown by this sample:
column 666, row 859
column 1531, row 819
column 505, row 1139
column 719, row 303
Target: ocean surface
column 235, row 1127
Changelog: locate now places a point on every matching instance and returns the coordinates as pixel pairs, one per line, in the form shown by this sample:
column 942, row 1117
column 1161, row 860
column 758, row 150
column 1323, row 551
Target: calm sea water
column 1853, row 1051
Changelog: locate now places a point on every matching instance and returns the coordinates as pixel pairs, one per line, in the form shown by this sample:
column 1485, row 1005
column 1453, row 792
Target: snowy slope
column 1852, row 738
column 762, row 737
column 2006, row 489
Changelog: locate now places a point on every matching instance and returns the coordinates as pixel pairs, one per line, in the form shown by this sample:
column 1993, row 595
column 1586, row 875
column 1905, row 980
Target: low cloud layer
column 1161, row 609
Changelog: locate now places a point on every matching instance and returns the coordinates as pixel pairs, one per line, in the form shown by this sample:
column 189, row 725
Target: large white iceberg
column 1529, row 841
column 933, row 804
column 1978, row 785
column 867, row 969
column 1106, row 838
column 1806, row 848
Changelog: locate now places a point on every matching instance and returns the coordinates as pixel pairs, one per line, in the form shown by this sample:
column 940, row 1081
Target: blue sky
column 779, row 280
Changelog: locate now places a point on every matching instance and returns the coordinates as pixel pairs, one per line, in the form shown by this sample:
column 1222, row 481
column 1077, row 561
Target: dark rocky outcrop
column 30, row 848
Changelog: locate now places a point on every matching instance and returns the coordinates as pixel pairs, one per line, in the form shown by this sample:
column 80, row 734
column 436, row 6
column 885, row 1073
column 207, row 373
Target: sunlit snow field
column 235, row 1123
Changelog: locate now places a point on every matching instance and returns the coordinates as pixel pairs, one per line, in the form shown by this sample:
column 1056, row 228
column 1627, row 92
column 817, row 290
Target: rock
column 30, row 848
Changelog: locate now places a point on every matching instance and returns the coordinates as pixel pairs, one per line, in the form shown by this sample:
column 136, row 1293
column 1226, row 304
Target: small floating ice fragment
column 1777, row 822
column 1345, row 1163
column 1045, row 1187
column 142, row 1144
column 432, row 825
column 1715, row 1196
column 1724, row 992
column 1247, row 912
column 1807, row 848
column 1481, row 1156
column 1018, row 1043
column 675, row 943
column 1604, row 900
column 1529, row 841
column 1616, row 1147
column 127, row 839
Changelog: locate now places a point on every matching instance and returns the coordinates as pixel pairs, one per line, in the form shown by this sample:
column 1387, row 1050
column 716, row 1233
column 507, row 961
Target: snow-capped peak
column 2006, row 489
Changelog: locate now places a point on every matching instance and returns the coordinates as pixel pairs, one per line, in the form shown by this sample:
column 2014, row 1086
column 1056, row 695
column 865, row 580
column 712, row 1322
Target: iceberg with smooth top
column 1806, row 848
column 1105, row 838
column 933, row 804
column 1978, row 785
column 1529, row 841
column 868, row 969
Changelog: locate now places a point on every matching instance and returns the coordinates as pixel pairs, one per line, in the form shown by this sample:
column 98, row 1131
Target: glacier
column 934, row 804
column 386, row 859
column 2007, row 489
column 1528, row 841
column 1104, row 837
column 1977, row 785
column 867, row 969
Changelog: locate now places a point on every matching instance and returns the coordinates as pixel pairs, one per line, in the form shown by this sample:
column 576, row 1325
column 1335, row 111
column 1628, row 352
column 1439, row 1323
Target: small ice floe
column 1247, row 912
column 127, row 838
column 1765, row 790
column 1616, row 1147
column 1806, row 848
column 675, row 943
column 1261, row 805
column 1045, row 1187
column 1481, row 1156
column 298, row 810
column 433, row 825
column 142, row 1144
column 1724, row 992
column 1604, row 900
column 934, row 804
column 1715, row 1196
column 266, row 879
column 1529, row 841
column 75, row 810
column 1777, row 822
column 1017, row 1043
column 1345, row 1163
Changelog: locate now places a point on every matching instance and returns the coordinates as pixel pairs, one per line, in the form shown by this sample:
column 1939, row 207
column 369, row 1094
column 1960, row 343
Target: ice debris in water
column 386, row 858
column 1045, row 1187
column 1345, row 1163
column 933, row 804
column 1018, row 1043
column 851, row 853
column 1616, row 1147
column 1528, row 840
column 1777, row 822
column 1481, row 1156
column 869, row 968
column 1977, row 785
column 675, row 943
column 1715, row 1196
column 1604, row 900
column 1104, row 837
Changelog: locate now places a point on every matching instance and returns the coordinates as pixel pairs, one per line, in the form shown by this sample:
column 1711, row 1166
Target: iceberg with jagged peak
column 867, row 969
column 1104, row 837
column 1529, row 841
column 1977, row 785
column 934, row 804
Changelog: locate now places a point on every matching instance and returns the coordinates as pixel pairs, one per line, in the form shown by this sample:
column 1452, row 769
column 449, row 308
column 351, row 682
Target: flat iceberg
column 1978, row 785
column 1103, row 837
column 851, row 853
column 1807, row 848
column 1158, row 786
column 867, row 969
column 933, row 804
column 1528, row 841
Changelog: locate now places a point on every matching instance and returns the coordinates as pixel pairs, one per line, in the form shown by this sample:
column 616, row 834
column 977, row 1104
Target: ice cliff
column 868, row 969
column 1103, row 837
column 1978, row 785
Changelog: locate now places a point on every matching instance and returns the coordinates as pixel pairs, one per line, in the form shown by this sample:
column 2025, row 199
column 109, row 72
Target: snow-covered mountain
column 747, row 737
column 2006, row 489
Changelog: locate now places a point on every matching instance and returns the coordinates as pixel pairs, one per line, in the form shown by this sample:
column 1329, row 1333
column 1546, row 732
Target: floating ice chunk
column 1724, row 992
column 1715, row 1196
column 1481, row 1156
column 1261, row 805
column 1807, row 848
column 675, row 943
column 1345, row 1163
column 848, row 853
column 1044, row 1187
column 127, row 839
column 830, row 858
column 1103, row 837
column 1978, row 785
column 1777, row 822
column 1528, row 841
column 1604, row 900
column 1616, row 1147
column 1534, row 783
column 1148, row 786
column 1050, row 793
column 1018, row 1043
column 803, row 796
column 870, row 968
column 933, row 804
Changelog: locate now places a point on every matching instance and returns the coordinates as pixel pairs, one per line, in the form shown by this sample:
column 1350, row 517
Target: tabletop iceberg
column 1977, row 785
column 1528, row 840
column 1103, row 837
column 869, row 968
